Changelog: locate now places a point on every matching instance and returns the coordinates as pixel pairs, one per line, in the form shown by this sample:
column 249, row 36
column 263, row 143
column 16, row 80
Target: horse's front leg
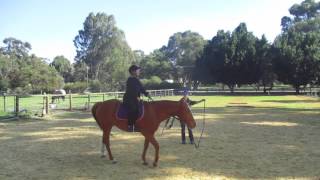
column 106, row 142
column 155, row 144
column 146, row 144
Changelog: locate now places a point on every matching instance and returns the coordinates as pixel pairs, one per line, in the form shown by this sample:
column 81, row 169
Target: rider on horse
column 131, row 97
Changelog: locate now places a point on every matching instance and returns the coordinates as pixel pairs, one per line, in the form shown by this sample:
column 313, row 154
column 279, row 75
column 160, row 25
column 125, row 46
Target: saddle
column 122, row 112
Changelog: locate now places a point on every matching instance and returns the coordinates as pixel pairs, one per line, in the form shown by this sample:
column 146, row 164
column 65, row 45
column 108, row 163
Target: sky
column 50, row 26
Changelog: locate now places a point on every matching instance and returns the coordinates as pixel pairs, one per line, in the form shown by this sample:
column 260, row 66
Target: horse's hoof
column 145, row 163
column 114, row 161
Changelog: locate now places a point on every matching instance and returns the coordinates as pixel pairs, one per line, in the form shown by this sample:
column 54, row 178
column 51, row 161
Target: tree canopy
column 182, row 50
column 63, row 67
column 297, row 56
column 230, row 58
column 101, row 46
column 22, row 73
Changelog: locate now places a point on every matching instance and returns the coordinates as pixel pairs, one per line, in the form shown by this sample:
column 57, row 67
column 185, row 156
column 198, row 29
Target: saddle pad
column 122, row 112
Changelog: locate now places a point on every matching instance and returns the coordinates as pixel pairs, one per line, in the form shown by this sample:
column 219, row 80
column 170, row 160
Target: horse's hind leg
column 106, row 142
column 103, row 149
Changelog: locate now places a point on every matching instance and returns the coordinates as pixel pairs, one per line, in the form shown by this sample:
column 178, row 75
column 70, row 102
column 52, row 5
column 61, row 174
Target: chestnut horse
column 154, row 113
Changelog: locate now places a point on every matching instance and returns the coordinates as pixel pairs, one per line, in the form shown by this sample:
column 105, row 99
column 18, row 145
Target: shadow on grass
column 72, row 114
column 253, row 109
column 295, row 115
column 291, row 101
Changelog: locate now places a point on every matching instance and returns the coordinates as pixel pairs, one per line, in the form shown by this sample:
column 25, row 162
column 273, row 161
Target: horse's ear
column 182, row 99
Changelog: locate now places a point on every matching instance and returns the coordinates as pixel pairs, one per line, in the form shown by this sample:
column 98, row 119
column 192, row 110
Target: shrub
column 76, row 87
column 96, row 86
column 156, row 83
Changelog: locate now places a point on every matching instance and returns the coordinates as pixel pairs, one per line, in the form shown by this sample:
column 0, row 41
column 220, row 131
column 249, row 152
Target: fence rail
column 40, row 105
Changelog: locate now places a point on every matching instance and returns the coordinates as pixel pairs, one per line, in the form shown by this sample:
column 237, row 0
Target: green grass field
column 34, row 104
column 245, row 137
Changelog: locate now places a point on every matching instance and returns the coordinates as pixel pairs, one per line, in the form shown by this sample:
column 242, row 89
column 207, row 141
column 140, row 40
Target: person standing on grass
column 182, row 124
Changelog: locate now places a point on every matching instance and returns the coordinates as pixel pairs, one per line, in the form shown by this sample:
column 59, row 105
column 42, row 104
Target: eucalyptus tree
column 102, row 47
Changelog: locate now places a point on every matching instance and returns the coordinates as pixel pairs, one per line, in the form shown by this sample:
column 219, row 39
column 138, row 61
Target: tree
column 34, row 76
column 243, row 62
column 157, row 64
column 298, row 58
column 101, row 45
column 21, row 73
column 15, row 47
column 210, row 66
column 306, row 10
column 201, row 72
column 138, row 56
column 264, row 59
column 5, row 68
column 63, row 67
column 183, row 49
column 297, row 49
column 80, row 71
column 231, row 58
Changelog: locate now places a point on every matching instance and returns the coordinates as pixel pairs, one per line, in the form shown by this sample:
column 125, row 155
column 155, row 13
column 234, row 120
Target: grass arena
column 245, row 137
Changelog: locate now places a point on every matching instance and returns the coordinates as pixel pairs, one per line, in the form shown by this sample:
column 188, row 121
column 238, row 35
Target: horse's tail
column 93, row 111
column 100, row 104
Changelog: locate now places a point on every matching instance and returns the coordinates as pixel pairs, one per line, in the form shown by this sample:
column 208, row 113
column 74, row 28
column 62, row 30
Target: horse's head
column 185, row 114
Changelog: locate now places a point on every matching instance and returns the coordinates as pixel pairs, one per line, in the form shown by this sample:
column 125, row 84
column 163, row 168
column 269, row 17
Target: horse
column 57, row 94
column 54, row 98
column 154, row 113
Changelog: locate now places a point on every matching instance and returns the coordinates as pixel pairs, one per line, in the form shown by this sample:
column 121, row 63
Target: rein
column 172, row 118
column 197, row 145
column 203, row 125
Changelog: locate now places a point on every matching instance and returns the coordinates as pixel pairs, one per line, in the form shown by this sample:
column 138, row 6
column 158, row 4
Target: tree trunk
column 97, row 71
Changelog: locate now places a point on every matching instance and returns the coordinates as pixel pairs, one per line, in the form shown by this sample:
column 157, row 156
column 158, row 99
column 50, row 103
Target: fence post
column 17, row 105
column 70, row 101
column 4, row 102
column 43, row 104
column 88, row 107
column 103, row 97
column 47, row 104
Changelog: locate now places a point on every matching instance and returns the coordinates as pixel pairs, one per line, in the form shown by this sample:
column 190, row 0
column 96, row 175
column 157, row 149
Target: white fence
column 153, row 93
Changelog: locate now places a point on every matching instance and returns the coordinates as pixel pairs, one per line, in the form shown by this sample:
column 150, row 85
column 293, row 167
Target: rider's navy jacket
column 134, row 89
